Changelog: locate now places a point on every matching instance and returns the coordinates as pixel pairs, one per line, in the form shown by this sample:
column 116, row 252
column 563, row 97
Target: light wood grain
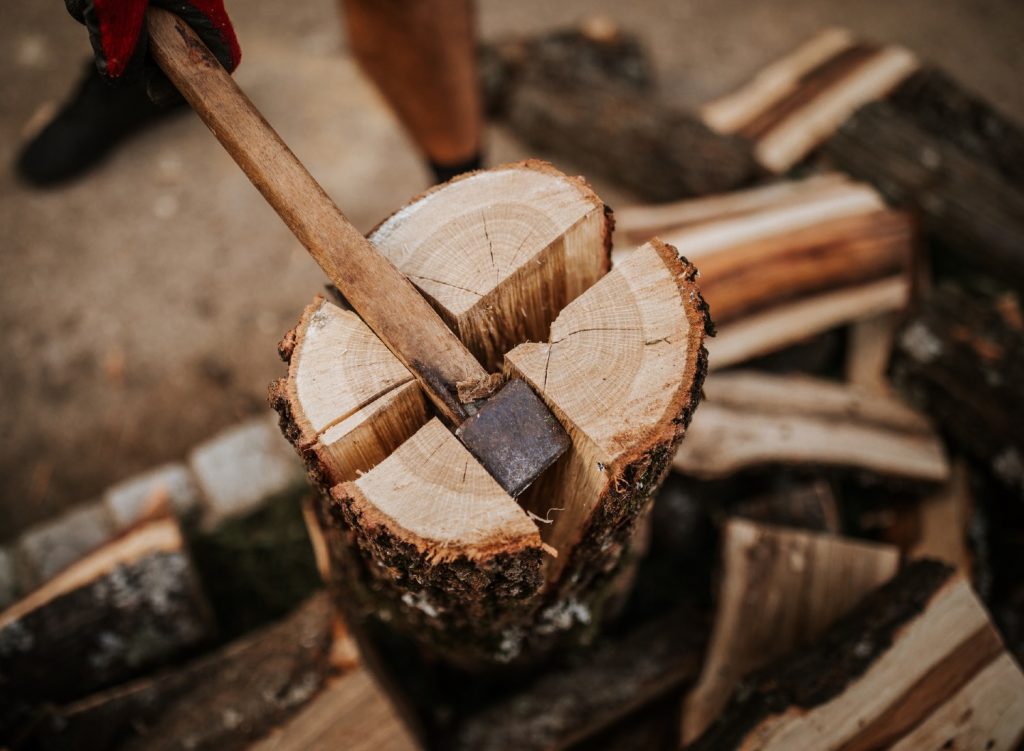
column 752, row 420
column 780, row 589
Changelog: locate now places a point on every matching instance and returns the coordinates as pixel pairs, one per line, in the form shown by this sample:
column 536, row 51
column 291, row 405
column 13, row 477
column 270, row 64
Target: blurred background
column 141, row 305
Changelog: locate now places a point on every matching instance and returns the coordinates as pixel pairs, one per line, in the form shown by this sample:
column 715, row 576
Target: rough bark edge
column 575, row 605
column 946, row 109
column 846, row 651
column 295, row 427
column 457, row 608
column 161, row 704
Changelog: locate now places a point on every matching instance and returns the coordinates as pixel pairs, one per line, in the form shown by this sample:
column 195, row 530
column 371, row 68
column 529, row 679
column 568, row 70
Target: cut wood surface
column 961, row 359
column 918, row 660
column 428, row 537
column 542, row 232
column 128, row 606
column 586, row 97
column 779, row 590
column 220, row 701
column 795, row 103
column 752, row 420
column 351, row 713
column 786, row 261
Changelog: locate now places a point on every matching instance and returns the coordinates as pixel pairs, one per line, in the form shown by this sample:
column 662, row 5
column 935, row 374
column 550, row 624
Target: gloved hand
column 118, row 33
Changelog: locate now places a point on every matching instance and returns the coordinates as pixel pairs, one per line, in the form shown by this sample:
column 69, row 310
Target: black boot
column 97, row 118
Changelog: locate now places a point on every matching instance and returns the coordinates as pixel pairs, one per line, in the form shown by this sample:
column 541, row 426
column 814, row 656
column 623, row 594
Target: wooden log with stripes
column 918, row 664
column 790, row 107
column 752, row 421
column 785, row 262
column 780, row 589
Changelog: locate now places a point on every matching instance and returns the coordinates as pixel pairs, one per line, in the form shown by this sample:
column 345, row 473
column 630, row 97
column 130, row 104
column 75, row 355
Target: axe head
column 514, row 436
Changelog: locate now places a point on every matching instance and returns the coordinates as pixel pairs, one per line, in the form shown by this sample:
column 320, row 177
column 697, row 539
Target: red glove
column 118, row 33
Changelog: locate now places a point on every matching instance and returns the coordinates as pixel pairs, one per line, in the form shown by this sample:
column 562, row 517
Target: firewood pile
column 791, row 516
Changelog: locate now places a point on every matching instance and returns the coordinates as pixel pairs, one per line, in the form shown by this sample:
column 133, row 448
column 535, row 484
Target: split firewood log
column 785, row 262
column 923, row 141
column 779, row 590
column 132, row 604
column 415, row 526
column 351, row 713
column 961, row 359
column 753, row 420
column 795, row 103
column 220, row 701
column 586, row 96
column 916, row 665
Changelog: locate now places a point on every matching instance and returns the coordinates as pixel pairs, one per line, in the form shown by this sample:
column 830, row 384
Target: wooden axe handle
column 376, row 289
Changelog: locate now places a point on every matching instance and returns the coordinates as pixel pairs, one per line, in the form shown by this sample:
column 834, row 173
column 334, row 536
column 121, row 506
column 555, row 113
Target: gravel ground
column 141, row 306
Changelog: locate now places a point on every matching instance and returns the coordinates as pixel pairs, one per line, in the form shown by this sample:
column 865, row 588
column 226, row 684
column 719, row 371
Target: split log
column 571, row 704
column 780, row 590
column 415, row 526
column 351, row 713
column 752, row 420
column 915, row 134
column 132, row 604
column 587, row 97
column 795, row 103
column 220, row 701
column 788, row 261
column 916, row 665
column 962, row 360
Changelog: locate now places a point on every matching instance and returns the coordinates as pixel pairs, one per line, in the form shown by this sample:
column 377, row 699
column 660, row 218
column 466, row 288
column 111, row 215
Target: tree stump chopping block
column 516, row 261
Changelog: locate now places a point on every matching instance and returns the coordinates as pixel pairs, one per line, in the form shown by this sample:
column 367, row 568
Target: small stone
column 130, row 500
column 51, row 547
column 243, row 467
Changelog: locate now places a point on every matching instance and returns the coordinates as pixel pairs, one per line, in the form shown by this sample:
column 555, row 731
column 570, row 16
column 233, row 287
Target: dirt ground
column 140, row 307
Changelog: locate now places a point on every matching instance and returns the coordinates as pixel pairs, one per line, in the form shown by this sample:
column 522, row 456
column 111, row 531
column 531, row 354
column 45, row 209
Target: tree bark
column 961, row 360
column 220, row 701
column 129, row 606
column 586, row 97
